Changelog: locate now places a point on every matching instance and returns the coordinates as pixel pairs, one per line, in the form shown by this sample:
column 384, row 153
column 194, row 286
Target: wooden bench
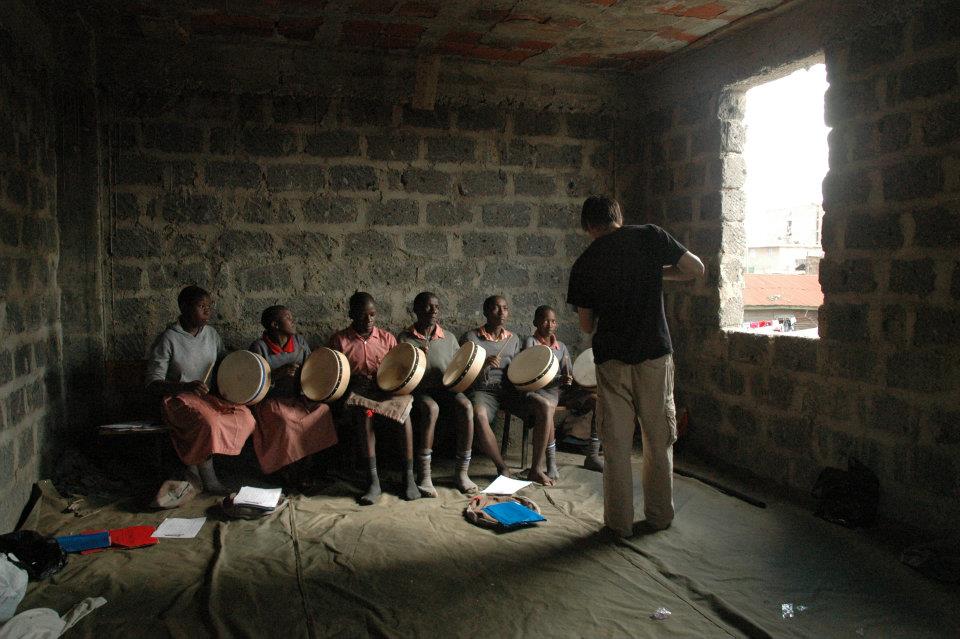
column 527, row 426
column 126, row 393
column 130, row 403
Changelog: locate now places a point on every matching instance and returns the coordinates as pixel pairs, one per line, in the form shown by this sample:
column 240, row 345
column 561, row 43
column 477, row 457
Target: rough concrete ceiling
column 615, row 34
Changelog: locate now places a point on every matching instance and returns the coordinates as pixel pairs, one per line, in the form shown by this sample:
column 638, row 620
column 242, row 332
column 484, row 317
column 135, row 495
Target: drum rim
column 261, row 361
column 265, row 382
column 336, row 356
column 466, row 369
column 573, row 369
column 413, row 369
column 542, row 373
column 546, row 369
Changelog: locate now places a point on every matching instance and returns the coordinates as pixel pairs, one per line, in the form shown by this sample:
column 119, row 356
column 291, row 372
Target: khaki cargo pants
column 628, row 391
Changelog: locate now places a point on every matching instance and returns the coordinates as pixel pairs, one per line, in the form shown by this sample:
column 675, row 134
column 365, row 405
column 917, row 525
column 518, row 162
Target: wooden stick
column 206, row 376
column 505, row 340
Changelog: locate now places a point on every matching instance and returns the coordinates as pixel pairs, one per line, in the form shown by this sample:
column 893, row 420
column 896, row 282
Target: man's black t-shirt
column 620, row 277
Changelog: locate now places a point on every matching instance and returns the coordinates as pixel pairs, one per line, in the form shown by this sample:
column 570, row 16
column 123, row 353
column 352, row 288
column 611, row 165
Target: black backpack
column 849, row 497
column 40, row 556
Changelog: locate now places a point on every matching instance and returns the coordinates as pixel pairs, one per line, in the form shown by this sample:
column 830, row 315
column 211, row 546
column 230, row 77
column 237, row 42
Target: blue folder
column 88, row 541
column 511, row 513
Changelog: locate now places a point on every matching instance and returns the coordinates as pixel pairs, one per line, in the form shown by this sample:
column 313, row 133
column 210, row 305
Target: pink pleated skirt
column 289, row 429
column 204, row 426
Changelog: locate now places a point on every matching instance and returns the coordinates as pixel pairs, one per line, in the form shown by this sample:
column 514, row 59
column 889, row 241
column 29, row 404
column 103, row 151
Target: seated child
column 289, row 426
column 492, row 389
column 179, row 368
column 365, row 346
column 545, row 401
column 430, row 397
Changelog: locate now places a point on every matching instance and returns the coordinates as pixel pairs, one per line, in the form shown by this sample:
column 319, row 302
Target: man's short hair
column 270, row 315
column 189, row 296
column 540, row 312
column 491, row 302
column 359, row 301
column 420, row 301
column 600, row 212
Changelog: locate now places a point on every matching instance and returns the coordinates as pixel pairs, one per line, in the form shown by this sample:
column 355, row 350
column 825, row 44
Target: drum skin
column 244, row 378
column 584, row 370
column 325, row 375
column 465, row 367
column 401, row 369
column 533, row 369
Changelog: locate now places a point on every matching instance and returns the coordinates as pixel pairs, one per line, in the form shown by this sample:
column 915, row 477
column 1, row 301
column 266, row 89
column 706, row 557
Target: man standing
column 617, row 287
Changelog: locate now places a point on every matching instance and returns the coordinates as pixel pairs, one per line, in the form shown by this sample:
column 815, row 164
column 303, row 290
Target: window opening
column 785, row 155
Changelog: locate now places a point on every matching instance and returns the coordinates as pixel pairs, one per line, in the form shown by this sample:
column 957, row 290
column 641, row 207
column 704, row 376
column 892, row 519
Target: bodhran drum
column 325, row 375
column 464, row 367
column 401, row 369
column 585, row 371
column 533, row 369
column 243, row 378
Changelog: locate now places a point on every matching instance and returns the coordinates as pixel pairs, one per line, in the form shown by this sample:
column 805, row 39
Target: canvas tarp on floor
column 325, row 567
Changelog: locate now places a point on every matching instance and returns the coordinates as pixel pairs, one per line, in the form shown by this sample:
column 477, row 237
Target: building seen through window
column 786, row 160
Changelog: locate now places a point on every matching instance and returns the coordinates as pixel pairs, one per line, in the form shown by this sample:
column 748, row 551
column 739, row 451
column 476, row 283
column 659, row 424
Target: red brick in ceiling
column 617, row 34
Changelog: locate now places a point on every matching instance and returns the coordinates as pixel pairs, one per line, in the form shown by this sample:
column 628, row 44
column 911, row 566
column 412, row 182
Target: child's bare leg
column 464, row 421
column 541, row 421
column 410, row 491
column 373, row 492
column 427, row 414
column 487, row 440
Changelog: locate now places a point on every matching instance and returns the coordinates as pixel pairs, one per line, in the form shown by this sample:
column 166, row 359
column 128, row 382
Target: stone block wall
column 882, row 383
column 301, row 199
column 30, row 352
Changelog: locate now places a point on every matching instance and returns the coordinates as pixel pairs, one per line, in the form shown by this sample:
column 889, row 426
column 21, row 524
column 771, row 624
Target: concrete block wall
column 301, row 199
column 30, row 351
column 882, row 383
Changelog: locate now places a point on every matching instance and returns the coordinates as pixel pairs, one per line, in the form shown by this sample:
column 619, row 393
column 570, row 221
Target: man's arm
column 588, row 322
column 689, row 267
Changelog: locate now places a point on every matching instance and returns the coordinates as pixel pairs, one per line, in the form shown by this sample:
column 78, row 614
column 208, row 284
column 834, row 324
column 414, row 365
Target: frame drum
column 243, row 378
column 464, row 367
column 533, row 369
column 401, row 369
column 584, row 370
column 325, row 375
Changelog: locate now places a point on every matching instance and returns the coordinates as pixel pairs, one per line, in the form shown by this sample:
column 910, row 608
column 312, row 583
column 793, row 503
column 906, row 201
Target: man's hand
column 288, row 371
column 493, row 362
column 689, row 267
column 196, row 387
column 588, row 321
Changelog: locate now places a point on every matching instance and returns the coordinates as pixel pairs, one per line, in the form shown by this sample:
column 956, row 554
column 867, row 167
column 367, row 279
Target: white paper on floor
column 179, row 528
column 505, row 486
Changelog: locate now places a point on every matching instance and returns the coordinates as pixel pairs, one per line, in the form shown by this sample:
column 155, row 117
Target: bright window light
column 786, row 160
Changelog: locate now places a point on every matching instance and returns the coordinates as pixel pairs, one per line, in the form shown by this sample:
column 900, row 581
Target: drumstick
column 502, row 347
column 206, row 376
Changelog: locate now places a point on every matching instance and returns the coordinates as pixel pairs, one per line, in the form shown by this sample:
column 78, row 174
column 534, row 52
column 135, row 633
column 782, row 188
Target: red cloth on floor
column 133, row 536
column 129, row 537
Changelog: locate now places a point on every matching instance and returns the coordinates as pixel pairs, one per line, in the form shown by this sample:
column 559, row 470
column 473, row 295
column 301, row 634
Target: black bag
column 40, row 556
column 849, row 497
